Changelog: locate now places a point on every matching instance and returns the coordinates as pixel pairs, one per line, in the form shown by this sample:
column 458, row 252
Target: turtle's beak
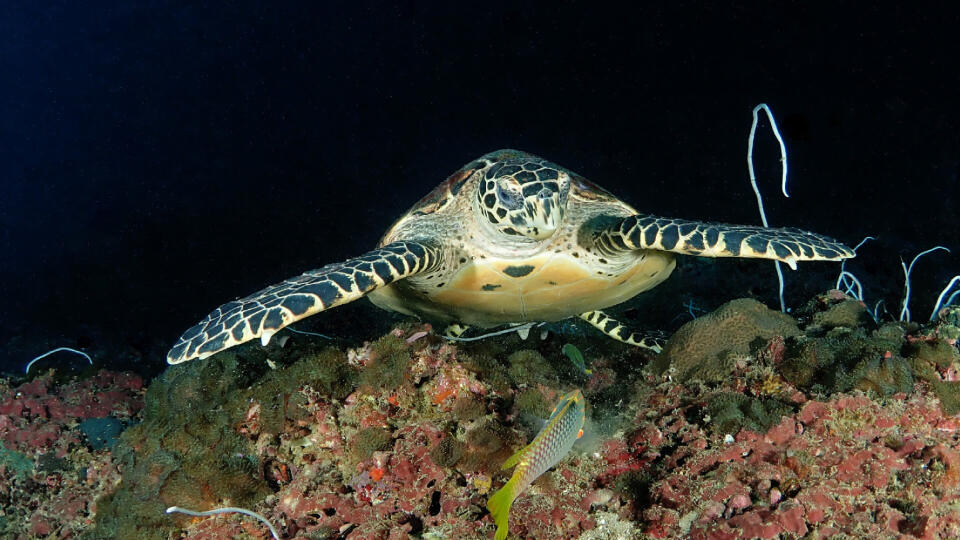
column 545, row 213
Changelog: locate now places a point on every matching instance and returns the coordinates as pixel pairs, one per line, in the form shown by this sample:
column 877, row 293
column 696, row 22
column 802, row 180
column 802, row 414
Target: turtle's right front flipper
column 704, row 239
column 263, row 313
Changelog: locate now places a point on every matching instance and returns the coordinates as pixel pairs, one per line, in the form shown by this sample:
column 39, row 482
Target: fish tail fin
column 499, row 506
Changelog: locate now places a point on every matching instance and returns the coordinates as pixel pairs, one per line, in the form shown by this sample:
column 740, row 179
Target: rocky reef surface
column 751, row 424
column 55, row 450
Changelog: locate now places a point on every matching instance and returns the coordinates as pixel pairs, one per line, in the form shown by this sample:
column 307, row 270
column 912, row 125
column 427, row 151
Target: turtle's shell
column 486, row 280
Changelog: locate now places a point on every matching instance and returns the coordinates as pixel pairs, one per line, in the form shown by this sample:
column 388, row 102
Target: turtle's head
column 524, row 196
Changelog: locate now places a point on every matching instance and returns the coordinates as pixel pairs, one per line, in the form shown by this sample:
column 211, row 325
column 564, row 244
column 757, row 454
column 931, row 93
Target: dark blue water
column 158, row 159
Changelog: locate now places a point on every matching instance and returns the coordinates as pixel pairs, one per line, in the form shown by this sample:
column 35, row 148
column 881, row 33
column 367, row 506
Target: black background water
column 159, row 158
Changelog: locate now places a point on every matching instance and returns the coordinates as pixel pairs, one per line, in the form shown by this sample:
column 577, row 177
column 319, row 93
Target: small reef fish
column 575, row 356
column 563, row 428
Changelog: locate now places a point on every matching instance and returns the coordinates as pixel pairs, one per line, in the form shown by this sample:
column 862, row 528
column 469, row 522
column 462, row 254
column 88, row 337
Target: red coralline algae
column 39, row 422
column 38, row 417
column 852, row 454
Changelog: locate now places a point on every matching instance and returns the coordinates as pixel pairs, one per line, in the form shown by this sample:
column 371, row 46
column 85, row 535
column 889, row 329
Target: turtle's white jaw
column 542, row 217
column 533, row 218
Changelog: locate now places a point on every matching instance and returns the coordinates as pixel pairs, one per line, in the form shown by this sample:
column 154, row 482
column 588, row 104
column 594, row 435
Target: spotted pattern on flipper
column 703, row 239
column 611, row 327
column 263, row 313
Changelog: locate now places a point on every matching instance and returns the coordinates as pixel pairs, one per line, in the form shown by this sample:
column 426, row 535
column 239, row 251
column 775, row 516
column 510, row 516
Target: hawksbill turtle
column 509, row 238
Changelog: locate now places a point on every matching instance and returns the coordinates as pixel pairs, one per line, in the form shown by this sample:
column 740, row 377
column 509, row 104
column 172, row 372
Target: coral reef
column 402, row 436
column 826, row 426
column 847, row 466
column 50, row 469
column 845, row 430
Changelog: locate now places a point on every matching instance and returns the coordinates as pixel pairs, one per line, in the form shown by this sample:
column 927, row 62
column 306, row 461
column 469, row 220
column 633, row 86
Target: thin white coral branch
column 58, row 349
column 753, row 178
column 940, row 303
column 905, row 310
column 226, row 510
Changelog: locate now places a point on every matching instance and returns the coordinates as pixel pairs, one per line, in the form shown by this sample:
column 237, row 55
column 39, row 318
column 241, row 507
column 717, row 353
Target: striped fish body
column 554, row 441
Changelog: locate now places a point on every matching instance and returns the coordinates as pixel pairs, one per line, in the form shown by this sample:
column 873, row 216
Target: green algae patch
column 531, row 401
column 840, row 349
column 948, row 392
column 327, row 371
column 730, row 411
column 276, row 395
column 194, row 447
column 937, row 354
column 882, row 375
column 530, row 367
column 488, row 436
column 880, row 361
column 486, row 367
column 845, row 360
column 928, row 359
column 487, row 445
column 468, row 408
column 389, row 363
column 848, row 313
column 369, row 440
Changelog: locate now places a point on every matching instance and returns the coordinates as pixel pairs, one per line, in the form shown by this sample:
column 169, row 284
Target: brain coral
column 706, row 347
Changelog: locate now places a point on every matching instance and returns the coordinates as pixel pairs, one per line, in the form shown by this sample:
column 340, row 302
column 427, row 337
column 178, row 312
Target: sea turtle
column 509, row 238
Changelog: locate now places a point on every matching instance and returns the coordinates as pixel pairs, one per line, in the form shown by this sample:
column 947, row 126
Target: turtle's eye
column 510, row 197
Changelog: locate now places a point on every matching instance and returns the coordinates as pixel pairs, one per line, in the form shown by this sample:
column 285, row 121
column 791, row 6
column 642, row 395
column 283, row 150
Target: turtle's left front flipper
column 718, row 240
column 263, row 313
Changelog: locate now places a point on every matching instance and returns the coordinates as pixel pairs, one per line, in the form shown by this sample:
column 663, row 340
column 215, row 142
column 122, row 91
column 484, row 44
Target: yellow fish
column 563, row 428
